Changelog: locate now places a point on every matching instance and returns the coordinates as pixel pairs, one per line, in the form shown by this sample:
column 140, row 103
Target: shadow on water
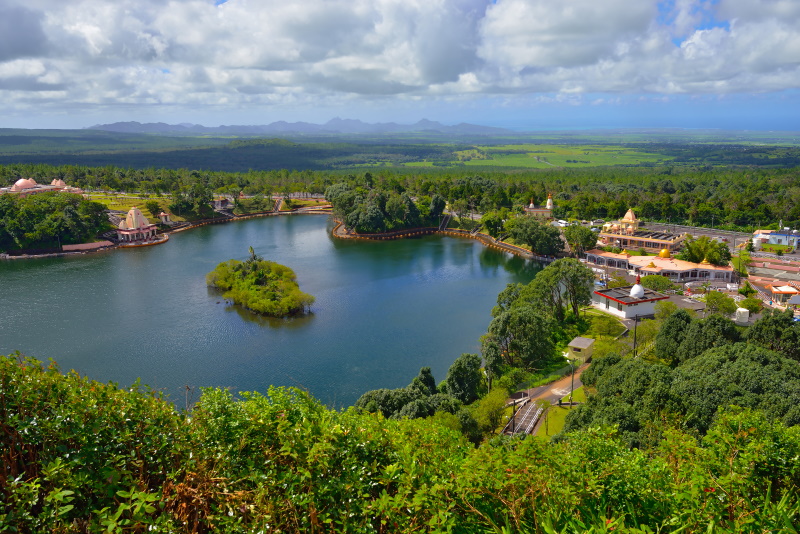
column 522, row 269
column 249, row 316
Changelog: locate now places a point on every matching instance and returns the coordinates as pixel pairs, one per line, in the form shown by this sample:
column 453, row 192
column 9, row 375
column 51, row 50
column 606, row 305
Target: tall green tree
column 464, row 379
column 577, row 280
column 671, row 335
column 540, row 237
column 580, row 238
column 521, row 336
column 713, row 331
column 777, row 331
column 704, row 248
column 564, row 285
column 718, row 302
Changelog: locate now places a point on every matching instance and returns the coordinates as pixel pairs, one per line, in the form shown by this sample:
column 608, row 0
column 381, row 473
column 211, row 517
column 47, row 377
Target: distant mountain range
column 333, row 126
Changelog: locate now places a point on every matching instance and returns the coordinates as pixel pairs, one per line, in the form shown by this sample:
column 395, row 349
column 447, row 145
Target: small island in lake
column 260, row 285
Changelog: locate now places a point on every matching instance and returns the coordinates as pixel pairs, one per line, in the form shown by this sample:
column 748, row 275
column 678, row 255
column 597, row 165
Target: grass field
column 775, row 248
column 124, row 202
column 603, row 325
column 307, row 203
column 535, row 156
column 553, row 422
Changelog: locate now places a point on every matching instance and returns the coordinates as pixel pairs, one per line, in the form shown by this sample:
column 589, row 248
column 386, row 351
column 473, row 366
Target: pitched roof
column 581, row 342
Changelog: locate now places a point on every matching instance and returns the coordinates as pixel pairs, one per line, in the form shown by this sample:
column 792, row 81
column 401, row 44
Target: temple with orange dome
column 663, row 264
column 135, row 227
column 541, row 212
column 28, row 186
column 626, row 233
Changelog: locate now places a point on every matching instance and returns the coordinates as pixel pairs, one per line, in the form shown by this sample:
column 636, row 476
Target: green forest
column 732, row 197
column 49, row 220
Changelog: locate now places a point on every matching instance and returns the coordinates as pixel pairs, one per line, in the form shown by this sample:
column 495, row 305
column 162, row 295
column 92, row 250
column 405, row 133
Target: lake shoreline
column 197, row 224
column 339, row 231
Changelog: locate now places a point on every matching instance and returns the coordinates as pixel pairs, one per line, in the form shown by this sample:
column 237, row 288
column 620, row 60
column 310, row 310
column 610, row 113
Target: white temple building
column 541, row 212
column 628, row 302
column 135, row 227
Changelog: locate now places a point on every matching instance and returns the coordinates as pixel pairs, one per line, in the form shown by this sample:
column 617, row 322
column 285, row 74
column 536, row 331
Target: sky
column 522, row 64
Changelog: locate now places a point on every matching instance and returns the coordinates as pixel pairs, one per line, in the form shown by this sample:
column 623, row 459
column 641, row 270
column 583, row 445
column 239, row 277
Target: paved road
column 734, row 238
column 558, row 389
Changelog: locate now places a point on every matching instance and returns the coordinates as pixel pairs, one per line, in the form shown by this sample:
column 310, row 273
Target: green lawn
column 553, row 422
column 602, row 325
column 120, row 202
column 579, row 395
column 308, row 203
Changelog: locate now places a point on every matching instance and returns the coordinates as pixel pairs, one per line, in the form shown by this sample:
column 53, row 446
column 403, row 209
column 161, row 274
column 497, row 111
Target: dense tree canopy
column 46, row 220
column 777, row 331
column 580, row 238
column 732, row 197
column 519, row 337
column 711, row 369
column 704, row 248
column 542, row 238
column 78, row 455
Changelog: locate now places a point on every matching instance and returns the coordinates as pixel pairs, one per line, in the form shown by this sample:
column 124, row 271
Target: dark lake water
column 383, row 310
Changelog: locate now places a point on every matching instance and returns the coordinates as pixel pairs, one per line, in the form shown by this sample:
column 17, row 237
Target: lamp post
column 572, row 376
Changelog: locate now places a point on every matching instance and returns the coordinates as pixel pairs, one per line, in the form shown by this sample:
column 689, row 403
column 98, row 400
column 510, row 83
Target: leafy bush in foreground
column 78, row 456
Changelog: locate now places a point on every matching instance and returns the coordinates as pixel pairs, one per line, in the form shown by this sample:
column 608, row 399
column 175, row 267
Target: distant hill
column 335, row 126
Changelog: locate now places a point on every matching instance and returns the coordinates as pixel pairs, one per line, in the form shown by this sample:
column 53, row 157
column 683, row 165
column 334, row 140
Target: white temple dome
column 637, row 291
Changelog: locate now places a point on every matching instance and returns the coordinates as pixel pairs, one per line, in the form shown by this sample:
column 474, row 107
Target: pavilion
column 28, row 186
column 135, row 227
column 781, row 294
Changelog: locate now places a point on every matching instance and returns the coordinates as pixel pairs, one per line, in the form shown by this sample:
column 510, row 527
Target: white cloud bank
column 84, row 55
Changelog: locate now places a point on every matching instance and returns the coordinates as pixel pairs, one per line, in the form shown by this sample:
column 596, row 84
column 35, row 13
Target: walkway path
column 528, row 418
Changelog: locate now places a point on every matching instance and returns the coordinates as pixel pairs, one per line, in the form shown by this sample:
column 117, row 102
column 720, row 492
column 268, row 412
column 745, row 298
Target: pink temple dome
column 23, row 183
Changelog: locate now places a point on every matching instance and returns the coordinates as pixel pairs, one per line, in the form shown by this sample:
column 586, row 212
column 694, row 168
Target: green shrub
column 262, row 286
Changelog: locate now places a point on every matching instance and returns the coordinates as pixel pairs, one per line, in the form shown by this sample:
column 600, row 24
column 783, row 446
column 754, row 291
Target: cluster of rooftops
column 29, row 186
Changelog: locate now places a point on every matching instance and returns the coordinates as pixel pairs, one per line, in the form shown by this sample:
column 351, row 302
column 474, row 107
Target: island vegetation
column 260, row 285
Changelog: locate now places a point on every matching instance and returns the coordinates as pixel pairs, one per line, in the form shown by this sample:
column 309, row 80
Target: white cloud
column 268, row 52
